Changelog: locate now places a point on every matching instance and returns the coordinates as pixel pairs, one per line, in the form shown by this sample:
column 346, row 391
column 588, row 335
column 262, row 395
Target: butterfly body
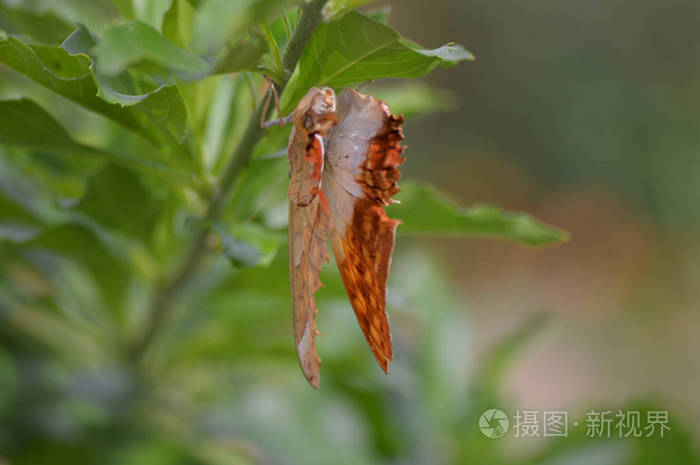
column 344, row 155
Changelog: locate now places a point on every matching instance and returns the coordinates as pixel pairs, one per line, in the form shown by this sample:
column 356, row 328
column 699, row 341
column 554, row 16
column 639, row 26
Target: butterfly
column 344, row 154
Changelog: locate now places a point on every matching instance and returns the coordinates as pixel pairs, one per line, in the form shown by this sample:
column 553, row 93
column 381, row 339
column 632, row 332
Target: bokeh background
column 583, row 113
column 586, row 114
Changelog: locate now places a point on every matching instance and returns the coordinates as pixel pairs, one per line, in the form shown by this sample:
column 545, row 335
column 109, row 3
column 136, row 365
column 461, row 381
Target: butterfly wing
column 308, row 228
column 309, row 220
column 363, row 153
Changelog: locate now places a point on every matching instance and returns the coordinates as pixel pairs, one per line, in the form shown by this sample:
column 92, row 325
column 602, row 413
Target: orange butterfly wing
column 363, row 154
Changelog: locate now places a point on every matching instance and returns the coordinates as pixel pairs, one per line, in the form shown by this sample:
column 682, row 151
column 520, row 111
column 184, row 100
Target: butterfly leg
column 282, row 120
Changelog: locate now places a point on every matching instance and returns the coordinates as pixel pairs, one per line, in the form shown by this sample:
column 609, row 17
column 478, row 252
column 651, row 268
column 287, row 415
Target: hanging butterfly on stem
column 344, row 154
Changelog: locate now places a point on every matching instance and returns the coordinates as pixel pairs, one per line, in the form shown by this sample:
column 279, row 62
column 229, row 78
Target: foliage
column 144, row 295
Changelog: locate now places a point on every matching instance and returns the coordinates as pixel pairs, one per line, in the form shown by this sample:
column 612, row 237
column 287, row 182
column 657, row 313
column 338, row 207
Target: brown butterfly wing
column 308, row 228
column 309, row 220
column 363, row 153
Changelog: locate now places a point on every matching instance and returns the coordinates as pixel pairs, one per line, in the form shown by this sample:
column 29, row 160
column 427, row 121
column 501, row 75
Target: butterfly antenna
column 266, row 106
column 364, row 84
column 272, row 90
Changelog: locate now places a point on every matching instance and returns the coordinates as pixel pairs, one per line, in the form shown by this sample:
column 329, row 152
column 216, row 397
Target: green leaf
column 449, row 54
column 151, row 12
column 134, row 42
column 125, row 7
column 240, row 253
column 216, row 130
column 250, row 245
column 415, row 98
column 263, row 185
column 244, row 55
column 334, row 9
column 177, row 23
column 13, row 211
column 80, row 41
column 17, row 222
column 357, row 48
column 273, row 61
column 23, row 123
column 71, row 76
column 45, row 27
column 117, row 199
column 82, row 245
column 126, row 88
column 425, row 212
column 380, row 14
column 218, row 21
column 227, row 118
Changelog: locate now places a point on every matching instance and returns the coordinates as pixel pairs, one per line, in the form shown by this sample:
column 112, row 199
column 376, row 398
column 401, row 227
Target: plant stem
column 164, row 294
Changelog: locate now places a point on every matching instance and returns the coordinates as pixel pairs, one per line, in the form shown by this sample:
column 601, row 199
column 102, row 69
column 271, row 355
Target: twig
column 162, row 301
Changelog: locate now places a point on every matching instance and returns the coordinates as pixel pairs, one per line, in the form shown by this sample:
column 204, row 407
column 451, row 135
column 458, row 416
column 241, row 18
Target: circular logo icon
column 494, row 423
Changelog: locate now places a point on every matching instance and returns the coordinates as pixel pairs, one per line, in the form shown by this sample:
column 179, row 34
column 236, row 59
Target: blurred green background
column 583, row 113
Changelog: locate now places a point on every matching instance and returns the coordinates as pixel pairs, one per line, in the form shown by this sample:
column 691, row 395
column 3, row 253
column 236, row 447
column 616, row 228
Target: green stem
column 310, row 17
column 164, row 294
